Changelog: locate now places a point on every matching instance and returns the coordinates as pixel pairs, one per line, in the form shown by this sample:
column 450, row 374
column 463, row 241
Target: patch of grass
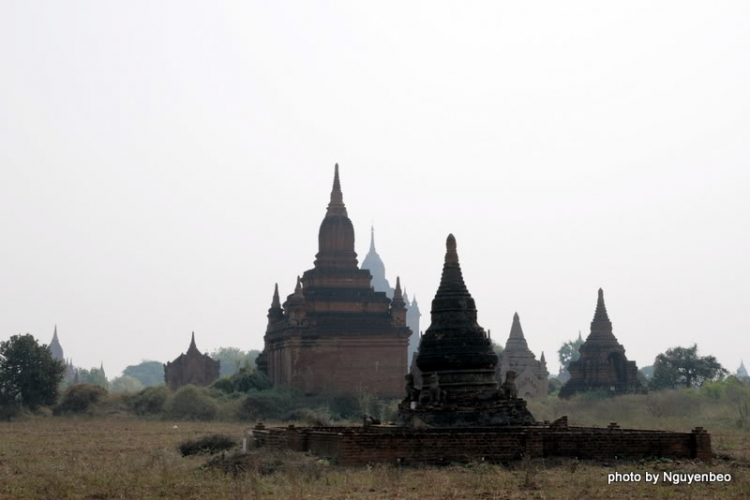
column 96, row 458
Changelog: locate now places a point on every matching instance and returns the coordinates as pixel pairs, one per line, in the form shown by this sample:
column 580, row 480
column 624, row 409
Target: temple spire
column 372, row 238
column 452, row 281
column 298, row 287
column 54, row 335
column 516, row 340
column 192, row 347
column 336, row 206
column 275, row 313
column 601, row 309
column 276, row 302
column 515, row 329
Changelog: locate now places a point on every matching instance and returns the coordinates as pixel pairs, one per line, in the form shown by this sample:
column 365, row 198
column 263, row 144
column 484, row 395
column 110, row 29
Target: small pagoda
column 531, row 375
column 192, row 367
column 602, row 365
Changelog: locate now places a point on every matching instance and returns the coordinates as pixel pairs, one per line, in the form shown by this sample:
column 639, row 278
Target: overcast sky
column 163, row 164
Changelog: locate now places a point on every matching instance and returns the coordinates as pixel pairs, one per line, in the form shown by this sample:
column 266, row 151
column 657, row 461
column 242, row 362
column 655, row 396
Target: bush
column 150, row 401
column 244, row 380
column 345, row 407
column 208, row 444
column 191, row 403
column 9, row 410
column 266, row 405
column 80, row 398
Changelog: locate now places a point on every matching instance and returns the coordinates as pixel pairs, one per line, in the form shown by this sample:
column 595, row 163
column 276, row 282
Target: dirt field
column 67, row 458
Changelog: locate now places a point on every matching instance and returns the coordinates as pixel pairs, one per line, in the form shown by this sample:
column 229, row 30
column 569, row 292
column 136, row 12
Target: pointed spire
column 193, row 347
column 516, row 340
column 601, row 309
column 298, row 286
column 372, row 238
column 398, row 297
column 579, row 336
column 542, row 360
column 515, row 330
column 275, row 313
column 452, row 281
column 55, row 348
column 336, row 206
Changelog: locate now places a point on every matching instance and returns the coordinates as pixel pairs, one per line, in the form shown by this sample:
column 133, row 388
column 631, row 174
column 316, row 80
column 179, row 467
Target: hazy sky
column 163, row 164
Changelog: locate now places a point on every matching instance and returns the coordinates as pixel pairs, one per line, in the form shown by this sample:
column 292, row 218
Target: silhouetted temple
column 375, row 265
column 191, row 367
column 57, row 353
column 335, row 334
column 531, row 375
column 741, row 371
column 412, row 321
column 457, row 364
column 602, row 365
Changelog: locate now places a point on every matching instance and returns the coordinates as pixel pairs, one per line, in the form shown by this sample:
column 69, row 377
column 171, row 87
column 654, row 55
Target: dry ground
column 85, row 458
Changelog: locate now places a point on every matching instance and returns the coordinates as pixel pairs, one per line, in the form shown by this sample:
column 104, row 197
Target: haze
column 163, row 164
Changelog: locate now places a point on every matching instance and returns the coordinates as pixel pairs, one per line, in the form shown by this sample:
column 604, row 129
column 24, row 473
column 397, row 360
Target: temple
column 531, row 375
column 462, row 415
column 192, row 367
column 457, row 364
column 336, row 334
column 57, row 353
column 602, row 365
column 741, row 371
column 375, row 265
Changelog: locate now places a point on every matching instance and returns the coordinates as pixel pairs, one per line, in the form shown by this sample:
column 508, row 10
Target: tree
column 681, row 366
column 125, row 383
column 94, row 376
column 232, row 359
column 568, row 352
column 29, row 375
column 148, row 373
column 498, row 348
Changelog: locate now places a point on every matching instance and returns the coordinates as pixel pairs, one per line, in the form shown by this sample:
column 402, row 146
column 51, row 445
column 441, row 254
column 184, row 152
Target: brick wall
column 359, row 446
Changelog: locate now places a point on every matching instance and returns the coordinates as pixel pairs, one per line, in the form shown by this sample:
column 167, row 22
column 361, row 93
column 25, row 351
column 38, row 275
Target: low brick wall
column 363, row 445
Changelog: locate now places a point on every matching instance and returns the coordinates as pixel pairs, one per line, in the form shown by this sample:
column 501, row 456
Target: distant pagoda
column 57, row 352
column 192, row 367
column 531, row 375
column 380, row 283
column 602, row 365
column 457, row 364
column 741, row 371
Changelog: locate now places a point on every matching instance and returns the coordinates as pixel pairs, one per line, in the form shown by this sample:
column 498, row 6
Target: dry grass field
column 97, row 458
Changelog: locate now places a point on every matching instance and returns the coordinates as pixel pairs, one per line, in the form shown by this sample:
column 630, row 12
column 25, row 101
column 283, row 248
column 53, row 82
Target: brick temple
column 192, row 367
column 336, row 334
column 531, row 374
column 602, row 365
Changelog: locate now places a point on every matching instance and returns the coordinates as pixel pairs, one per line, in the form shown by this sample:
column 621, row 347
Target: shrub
column 345, row 407
column 191, row 403
column 80, row 398
column 244, row 380
column 151, row 400
column 207, row 444
column 266, row 405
